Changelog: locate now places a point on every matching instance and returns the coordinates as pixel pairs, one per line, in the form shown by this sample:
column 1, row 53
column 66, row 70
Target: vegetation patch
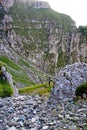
column 5, row 89
column 82, row 89
column 86, row 127
column 19, row 75
column 61, row 59
column 41, row 89
column 23, row 15
column 83, row 30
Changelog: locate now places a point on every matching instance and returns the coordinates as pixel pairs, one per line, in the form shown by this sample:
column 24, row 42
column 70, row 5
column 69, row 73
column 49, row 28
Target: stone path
column 34, row 113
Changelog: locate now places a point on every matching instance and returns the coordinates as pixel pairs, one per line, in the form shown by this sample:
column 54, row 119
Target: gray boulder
column 67, row 80
column 8, row 77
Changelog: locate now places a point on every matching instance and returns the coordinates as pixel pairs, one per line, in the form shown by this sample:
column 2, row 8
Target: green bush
column 81, row 89
column 5, row 89
column 83, row 30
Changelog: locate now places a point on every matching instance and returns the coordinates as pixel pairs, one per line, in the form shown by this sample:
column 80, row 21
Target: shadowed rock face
column 67, row 80
column 8, row 77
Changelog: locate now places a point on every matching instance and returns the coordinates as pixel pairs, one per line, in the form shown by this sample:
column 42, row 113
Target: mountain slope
column 39, row 40
column 39, row 33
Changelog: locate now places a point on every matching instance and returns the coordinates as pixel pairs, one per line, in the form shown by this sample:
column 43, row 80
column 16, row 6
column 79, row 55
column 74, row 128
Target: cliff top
column 36, row 3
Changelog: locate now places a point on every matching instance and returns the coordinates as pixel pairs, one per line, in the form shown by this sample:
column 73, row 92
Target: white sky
column 77, row 9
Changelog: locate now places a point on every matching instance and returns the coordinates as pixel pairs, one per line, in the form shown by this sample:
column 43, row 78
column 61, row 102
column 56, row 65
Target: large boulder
column 66, row 82
column 6, row 76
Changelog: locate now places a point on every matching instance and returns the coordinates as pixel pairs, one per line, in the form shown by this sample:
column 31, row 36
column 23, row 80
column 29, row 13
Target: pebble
column 35, row 113
column 12, row 128
column 1, row 105
column 73, row 127
column 45, row 128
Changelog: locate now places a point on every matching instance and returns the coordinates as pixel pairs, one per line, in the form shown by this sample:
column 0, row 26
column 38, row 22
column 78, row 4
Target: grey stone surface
column 18, row 114
column 8, row 77
column 12, row 128
column 67, row 80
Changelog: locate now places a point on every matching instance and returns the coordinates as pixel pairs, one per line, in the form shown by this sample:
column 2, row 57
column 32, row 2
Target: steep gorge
column 40, row 35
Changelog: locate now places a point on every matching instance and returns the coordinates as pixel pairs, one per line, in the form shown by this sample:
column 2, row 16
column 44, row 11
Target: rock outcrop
column 67, row 80
column 7, row 4
column 4, row 75
column 5, row 20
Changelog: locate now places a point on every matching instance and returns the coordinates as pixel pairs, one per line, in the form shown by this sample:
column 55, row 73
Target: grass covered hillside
column 40, row 89
column 6, row 89
column 23, row 73
column 29, row 19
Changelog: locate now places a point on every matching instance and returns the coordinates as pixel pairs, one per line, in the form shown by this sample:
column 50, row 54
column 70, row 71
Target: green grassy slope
column 41, row 89
column 5, row 89
column 18, row 74
column 22, row 70
column 23, row 16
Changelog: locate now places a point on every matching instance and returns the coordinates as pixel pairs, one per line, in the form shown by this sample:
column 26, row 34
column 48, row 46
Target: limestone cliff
column 48, row 39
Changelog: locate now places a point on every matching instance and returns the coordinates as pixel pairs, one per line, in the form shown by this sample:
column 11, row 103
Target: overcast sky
column 77, row 9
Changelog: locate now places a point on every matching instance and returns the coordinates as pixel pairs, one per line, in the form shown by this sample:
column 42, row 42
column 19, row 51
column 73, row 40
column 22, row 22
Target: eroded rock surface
column 67, row 80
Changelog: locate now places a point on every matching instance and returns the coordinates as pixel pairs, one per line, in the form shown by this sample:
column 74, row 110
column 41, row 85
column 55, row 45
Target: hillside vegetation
column 40, row 89
column 6, row 89
column 23, row 73
column 18, row 74
column 23, row 16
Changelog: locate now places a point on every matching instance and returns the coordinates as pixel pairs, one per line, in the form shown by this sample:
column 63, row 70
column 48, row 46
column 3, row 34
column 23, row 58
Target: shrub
column 83, row 30
column 81, row 89
column 5, row 89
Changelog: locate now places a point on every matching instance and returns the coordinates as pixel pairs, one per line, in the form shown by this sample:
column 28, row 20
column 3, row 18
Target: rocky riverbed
column 34, row 113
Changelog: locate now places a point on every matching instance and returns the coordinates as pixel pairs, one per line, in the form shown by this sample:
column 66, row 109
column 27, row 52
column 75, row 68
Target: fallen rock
column 66, row 82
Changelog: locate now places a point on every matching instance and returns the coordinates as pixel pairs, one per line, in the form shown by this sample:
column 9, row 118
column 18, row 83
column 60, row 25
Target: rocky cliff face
column 48, row 39
column 7, row 4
